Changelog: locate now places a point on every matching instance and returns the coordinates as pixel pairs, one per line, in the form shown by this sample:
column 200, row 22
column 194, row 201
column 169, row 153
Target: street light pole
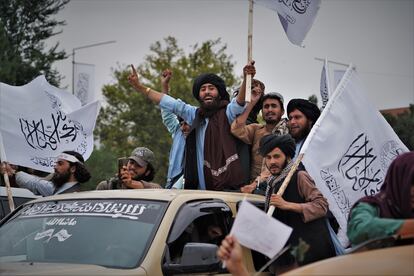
column 73, row 58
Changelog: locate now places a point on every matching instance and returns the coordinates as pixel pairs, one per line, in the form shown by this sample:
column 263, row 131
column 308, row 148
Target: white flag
column 271, row 235
column 38, row 121
column 350, row 148
column 84, row 82
column 325, row 91
column 338, row 74
column 296, row 16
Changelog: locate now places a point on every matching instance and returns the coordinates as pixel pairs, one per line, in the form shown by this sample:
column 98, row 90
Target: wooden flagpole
column 5, row 175
column 249, row 51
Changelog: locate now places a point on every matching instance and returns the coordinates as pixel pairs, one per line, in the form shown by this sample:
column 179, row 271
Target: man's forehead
column 271, row 100
column 60, row 160
column 296, row 112
column 276, row 149
column 207, row 85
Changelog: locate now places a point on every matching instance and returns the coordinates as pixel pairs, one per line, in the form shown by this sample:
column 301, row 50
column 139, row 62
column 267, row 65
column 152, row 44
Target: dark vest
column 315, row 233
column 74, row 188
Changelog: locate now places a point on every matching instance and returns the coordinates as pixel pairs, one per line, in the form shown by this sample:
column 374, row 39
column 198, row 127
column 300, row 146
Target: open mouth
column 208, row 99
column 274, row 168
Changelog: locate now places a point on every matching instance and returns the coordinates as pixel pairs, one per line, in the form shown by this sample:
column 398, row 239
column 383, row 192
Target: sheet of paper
column 257, row 231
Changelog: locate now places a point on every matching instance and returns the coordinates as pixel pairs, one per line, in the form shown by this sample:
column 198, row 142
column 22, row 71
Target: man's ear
column 147, row 172
column 72, row 169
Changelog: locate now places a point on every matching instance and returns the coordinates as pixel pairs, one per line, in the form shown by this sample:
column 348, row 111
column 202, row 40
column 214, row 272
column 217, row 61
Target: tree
column 24, row 26
column 403, row 125
column 102, row 164
column 129, row 120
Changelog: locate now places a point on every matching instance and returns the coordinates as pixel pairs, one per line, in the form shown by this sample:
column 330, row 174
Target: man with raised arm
column 179, row 130
column 211, row 159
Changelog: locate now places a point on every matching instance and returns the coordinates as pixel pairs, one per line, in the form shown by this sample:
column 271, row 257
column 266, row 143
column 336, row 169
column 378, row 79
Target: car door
column 197, row 231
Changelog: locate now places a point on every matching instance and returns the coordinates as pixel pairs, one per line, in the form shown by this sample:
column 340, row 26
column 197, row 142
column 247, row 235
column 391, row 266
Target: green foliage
column 102, row 165
column 24, row 26
column 403, row 126
column 130, row 120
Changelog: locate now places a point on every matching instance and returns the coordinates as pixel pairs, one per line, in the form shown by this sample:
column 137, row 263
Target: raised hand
column 165, row 80
column 134, row 80
column 249, row 69
column 230, row 252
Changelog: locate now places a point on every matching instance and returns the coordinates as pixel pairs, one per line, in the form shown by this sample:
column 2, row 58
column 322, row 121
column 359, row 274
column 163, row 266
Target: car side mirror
column 196, row 257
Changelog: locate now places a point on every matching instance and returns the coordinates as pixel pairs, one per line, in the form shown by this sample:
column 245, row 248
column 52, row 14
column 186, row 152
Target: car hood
column 33, row 268
column 396, row 260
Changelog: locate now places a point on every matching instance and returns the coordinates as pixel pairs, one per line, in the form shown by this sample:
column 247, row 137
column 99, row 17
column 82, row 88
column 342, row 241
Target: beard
column 139, row 177
column 59, row 179
column 303, row 133
column 210, row 106
column 271, row 121
column 280, row 169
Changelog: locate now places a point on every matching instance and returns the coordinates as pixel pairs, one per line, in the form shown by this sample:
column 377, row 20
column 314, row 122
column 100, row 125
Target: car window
column 2, row 211
column 198, row 222
column 20, row 196
column 17, row 202
column 111, row 232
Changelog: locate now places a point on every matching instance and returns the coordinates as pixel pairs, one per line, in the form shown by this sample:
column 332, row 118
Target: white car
column 122, row 232
column 20, row 196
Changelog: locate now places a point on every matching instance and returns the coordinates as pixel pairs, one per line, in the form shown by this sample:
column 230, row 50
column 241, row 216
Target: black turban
column 214, row 80
column 310, row 110
column 284, row 142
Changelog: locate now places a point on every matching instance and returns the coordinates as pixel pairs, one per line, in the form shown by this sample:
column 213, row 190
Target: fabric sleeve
column 365, row 224
column 316, row 205
column 150, row 185
column 179, row 108
column 233, row 110
column 243, row 132
column 35, row 184
column 179, row 184
column 103, row 185
column 170, row 121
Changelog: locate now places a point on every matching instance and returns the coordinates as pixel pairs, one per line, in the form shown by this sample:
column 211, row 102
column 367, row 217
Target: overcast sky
column 377, row 36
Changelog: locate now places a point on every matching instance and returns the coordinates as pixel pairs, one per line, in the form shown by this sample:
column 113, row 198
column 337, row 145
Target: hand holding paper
column 257, row 231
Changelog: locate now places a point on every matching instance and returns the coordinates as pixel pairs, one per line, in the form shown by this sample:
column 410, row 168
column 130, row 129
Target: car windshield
column 111, row 233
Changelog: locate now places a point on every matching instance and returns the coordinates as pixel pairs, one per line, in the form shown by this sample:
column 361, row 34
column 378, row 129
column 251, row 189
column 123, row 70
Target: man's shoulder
column 304, row 178
column 168, row 100
column 106, row 184
column 150, row 185
column 303, row 174
column 260, row 128
column 254, row 127
column 234, row 104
